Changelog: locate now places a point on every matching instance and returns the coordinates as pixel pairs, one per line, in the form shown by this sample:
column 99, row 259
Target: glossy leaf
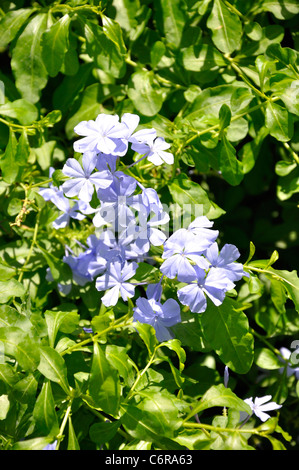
column 279, row 122
column 227, row 330
column 104, row 385
column 230, row 165
column 145, row 94
column 27, row 64
column 11, row 24
column 225, row 26
column 54, row 45
column 44, row 412
column 53, row 367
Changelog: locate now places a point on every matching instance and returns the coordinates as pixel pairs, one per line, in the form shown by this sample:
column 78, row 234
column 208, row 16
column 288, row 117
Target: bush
column 149, row 296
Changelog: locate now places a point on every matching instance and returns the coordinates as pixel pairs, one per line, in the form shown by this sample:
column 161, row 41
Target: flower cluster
column 127, row 218
column 192, row 255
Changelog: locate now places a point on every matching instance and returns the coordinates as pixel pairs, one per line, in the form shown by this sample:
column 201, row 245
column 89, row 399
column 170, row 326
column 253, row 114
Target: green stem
column 97, row 335
column 219, row 429
column 292, row 152
column 34, row 239
column 234, row 118
column 266, row 271
column 63, row 424
column 234, row 9
column 131, row 392
column 37, row 185
column 18, row 126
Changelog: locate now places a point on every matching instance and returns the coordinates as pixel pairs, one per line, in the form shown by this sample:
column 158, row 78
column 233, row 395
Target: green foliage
column 220, row 80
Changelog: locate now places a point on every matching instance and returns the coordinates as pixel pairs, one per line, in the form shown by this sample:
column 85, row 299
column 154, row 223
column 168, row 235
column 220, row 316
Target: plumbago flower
column 160, row 316
column 106, row 134
column 83, row 181
column 259, row 406
column 129, row 221
column 115, row 282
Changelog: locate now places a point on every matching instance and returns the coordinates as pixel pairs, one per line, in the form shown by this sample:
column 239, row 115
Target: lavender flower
column 225, row 261
column 154, row 150
column 115, row 282
column 83, row 181
column 180, row 250
column 214, row 284
column 161, row 317
column 106, row 134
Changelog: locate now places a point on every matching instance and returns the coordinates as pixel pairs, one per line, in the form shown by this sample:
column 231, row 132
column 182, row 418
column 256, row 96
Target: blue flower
column 83, row 181
column 106, row 134
column 154, row 150
column 51, row 446
column 225, row 261
column 160, row 316
column 214, row 284
column 180, row 251
column 115, row 282
column 70, row 211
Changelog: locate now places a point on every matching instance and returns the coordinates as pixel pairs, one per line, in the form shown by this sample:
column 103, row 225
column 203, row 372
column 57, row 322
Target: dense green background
column 219, row 80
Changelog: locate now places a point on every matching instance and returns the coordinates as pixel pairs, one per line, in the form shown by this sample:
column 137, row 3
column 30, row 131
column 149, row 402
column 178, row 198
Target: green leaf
column 54, row 45
column 231, row 168
column 72, row 443
column 9, row 289
column 44, row 412
column 4, row 406
column 120, row 360
column 104, row 385
column 27, row 64
column 266, row 359
column 279, row 122
column 53, row 367
column 175, row 345
column 36, row 443
column 189, row 195
column 219, row 395
column 172, row 18
column 287, row 90
column 22, row 110
column 113, row 32
column 104, row 432
column 226, row 27
column 23, row 149
column 91, row 105
column 157, row 52
column 9, row 169
column 148, row 336
column 281, row 9
column 20, row 346
column 211, row 99
column 201, row 57
column 290, row 281
column 224, row 117
column 226, row 329
column 154, row 417
column 145, row 94
column 285, row 55
column 66, row 321
column 70, row 87
column 144, row 273
column 11, row 24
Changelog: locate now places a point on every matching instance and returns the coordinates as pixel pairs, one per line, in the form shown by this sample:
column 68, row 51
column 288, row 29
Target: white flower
column 259, row 406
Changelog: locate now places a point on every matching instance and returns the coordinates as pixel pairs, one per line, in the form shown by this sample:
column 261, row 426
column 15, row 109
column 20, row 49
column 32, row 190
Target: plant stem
column 63, row 424
column 95, row 336
column 219, row 429
column 34, row 239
